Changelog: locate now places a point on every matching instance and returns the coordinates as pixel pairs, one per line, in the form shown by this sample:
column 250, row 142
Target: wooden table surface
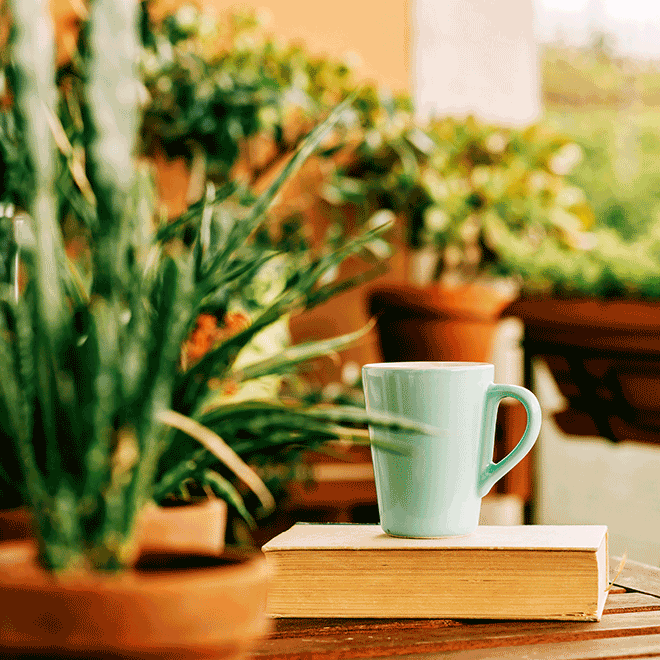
column 629, row 628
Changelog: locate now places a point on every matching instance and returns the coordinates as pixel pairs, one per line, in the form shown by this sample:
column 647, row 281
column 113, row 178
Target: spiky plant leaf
column 103, row 411
column 224, row 489
column 221, row 450
column 289, row 357
column 180, row 473
column 259, row 418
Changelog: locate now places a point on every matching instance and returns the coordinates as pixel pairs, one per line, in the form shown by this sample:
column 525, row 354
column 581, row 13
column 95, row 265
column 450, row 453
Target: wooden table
column 630, row 628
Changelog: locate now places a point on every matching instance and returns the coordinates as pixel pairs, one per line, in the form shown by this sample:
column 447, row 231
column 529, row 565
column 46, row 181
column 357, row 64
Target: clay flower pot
column 197, row 527
column 437, row 323
column 188, row 607
column 15, row 524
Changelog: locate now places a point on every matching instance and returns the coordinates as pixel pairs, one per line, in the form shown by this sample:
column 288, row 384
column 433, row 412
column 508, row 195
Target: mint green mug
column 434, row 485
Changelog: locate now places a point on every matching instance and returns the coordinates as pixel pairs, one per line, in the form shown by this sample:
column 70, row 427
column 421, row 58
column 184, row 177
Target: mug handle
column 493, row 472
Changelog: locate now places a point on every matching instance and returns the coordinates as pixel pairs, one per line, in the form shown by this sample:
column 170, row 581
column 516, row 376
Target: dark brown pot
column 177, row 606
column 434, row 323
column 15, row 524
column 605, row 359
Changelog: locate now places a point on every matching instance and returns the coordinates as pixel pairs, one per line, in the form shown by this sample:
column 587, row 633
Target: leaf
column 238, row 275
column 224, row 489
column 264, row 420
column 283, row 361
column 11, row 392
column 305, row 150
column 193, row 214
column 354, row 415
column 219, row 448
column 242, row 229
column 337, row 256
column 17, row 388
column 63, row 144
column 97, row 385
column 179, row 473
column 327, row 291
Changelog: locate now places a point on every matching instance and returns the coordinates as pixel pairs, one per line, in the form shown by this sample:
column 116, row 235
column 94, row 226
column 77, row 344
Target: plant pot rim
column 190, row 526
column 620, row 314
column 477, row 301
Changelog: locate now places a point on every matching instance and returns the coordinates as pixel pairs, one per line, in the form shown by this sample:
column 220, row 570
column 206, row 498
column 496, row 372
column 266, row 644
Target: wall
column 592, row 481
column 475, row 57
column 375, row 30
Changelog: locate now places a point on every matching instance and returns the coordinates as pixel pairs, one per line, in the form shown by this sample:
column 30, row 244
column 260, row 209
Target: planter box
column 605, row 359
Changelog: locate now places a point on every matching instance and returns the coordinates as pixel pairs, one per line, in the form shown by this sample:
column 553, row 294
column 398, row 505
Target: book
column 498, row 572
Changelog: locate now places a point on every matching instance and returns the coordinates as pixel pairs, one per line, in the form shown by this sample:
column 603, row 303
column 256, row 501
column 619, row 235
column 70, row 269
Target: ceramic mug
column 434, row 485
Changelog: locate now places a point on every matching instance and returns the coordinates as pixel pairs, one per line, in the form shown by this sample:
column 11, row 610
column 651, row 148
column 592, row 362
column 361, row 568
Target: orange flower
column 207, row 335
column 201, row 339
column 228, row 386
column 76, row 247
column 233, row 323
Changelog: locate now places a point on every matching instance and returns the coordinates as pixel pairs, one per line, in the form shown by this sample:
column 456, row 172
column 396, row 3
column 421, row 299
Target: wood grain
column 630, row 602
column 638, row 577
column 333, row 639
column 643, row 646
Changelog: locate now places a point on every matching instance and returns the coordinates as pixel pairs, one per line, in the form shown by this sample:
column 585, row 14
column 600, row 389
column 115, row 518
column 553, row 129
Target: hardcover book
column 512, row 572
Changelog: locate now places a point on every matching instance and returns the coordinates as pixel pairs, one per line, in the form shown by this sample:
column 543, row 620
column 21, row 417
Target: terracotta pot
column 605, row 359
column 198, row 527
column 433, row 323
column 183, row 607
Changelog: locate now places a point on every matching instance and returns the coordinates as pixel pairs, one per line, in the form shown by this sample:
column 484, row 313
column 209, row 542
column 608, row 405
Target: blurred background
column 515, row 145
column 599, row 75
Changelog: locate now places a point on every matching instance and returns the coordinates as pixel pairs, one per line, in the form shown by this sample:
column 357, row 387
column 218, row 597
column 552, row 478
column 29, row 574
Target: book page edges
column 584, row 603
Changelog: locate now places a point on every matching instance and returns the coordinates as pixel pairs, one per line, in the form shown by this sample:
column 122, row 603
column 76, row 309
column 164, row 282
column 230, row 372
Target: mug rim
column 430, row 365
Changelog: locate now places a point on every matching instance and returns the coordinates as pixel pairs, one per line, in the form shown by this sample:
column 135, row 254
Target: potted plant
column 125, row 379
column 462, row 191
column 224, row 100
column 595, row 320
column 481, row 203
column 227, row 101
column 221, row 99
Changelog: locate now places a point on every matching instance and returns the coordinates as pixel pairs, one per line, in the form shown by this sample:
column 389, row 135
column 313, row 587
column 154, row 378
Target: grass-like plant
column 104, row 404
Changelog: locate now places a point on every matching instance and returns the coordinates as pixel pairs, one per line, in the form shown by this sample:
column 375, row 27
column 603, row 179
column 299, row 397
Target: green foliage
column 594, row 75
column 586, row 76
column 202, row 96
column 611, row 116
column 214, row 84
column 606, row 103
column 619, row 172
column 454, row 183
column 207, row 87
column 102, row 398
